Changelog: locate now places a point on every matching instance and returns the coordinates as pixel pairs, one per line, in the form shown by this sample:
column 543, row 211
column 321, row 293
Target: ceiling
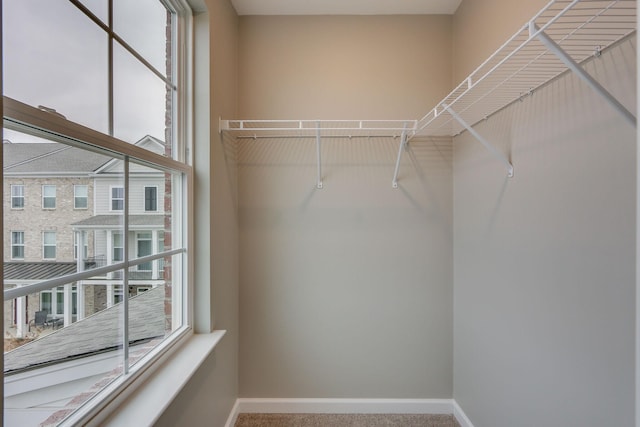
column 345, row 7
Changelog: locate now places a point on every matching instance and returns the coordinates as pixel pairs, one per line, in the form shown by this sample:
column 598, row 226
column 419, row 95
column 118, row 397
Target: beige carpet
column 345, row 420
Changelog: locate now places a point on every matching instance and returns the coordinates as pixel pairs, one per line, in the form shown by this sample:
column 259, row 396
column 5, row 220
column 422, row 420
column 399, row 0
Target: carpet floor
column 345, row 420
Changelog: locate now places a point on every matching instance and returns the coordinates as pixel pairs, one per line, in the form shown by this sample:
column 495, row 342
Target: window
column 123, row 79
column 49, row 245
column 52, row 301
column 80, row 196
column 85, row 245
column 48, row 196
column 118, row 295
column 17, row 245
column 17, row 196
column 150, row 199
column 144, row 245
column 118, row 247
column 117, row 198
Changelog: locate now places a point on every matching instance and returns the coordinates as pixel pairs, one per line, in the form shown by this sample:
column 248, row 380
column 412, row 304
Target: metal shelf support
column 554, row 48
column 482, row 140
column 319, row 151
column 403, row 146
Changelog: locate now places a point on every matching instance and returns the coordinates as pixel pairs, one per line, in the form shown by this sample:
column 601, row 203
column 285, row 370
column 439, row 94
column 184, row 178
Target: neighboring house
column 146, row 225
column 63, row 213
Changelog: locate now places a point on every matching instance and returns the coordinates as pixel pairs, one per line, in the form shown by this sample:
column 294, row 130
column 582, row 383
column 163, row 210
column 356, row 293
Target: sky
column 53, row 55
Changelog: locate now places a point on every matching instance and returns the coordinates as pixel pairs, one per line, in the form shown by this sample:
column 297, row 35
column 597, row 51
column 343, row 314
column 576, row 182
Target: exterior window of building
column 48, row 196
column 49, row 245
column 80, row 196
column 117, row 198
column 52, row 301
column 144, row 245
column 17, row 196
column 17, row 245
column 150, row 199
column 118, row 247
column 117, row 294
column 85, row 247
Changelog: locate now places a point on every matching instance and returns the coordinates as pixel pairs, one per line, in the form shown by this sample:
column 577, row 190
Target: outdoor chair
column 41, row 320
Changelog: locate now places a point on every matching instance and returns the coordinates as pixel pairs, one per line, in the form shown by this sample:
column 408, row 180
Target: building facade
column 63, row 214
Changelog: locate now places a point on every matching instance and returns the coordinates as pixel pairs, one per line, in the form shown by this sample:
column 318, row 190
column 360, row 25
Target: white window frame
column 54, row 197
column 113, row 199
column 28, row 119
column 46, row 245
column 24, row 118
column 14, row 245
column 75, row 196
column 144, row 201
column 14, row 197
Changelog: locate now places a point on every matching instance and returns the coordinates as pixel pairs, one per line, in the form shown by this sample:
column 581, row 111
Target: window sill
column 157, row 393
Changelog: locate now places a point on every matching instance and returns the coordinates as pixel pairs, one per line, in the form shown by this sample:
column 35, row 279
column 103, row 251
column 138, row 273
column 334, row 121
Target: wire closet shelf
column 562, row 36
column 581, row 28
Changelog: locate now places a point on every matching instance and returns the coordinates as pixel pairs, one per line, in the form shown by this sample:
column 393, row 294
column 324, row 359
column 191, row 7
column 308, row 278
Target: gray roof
column 95, row 334
column 18, row 270
column 50, row 158
column 153, row 221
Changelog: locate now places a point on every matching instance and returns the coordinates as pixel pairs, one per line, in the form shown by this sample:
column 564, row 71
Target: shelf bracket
column 403, row 145
column 554, row 48
column 319, row 151
column 483, row 141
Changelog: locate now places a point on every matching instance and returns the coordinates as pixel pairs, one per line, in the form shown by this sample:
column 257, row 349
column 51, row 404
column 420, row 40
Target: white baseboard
column 348, row 406
column 233, row 416
column 460, row 415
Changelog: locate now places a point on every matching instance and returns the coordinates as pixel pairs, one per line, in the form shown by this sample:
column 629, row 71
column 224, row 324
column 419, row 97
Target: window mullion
column 125, row 274
column 110, row 71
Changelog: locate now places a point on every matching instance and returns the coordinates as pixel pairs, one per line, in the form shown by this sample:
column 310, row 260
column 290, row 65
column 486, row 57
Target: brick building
column 62, row 214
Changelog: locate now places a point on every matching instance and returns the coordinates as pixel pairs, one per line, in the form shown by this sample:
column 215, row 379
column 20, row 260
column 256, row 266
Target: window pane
column 54, row 56
column 17, row 245
column 49, row 190
column 151, row 284
column 49, row 245
column 17, row 196
column 99, row 8
column 60, row 302
column 117, row 198
column 139, row 102
column 17, row 237
column 81, row 199
column 49, row 196
column 50, row 238
column 45, row 301
column 118, row 247
column 143, row 25
column 87, row 354
column 150, row 199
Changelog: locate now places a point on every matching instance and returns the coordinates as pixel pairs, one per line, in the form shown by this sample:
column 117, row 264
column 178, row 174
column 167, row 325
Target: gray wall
column 345, row 291
column 209, row 397
column 545, row 261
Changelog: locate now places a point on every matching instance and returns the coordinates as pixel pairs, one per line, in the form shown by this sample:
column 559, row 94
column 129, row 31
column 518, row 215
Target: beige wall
column 347, row 67
column 545, row 261
column 209, row 397
column 345, row 291
column 481, row 26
